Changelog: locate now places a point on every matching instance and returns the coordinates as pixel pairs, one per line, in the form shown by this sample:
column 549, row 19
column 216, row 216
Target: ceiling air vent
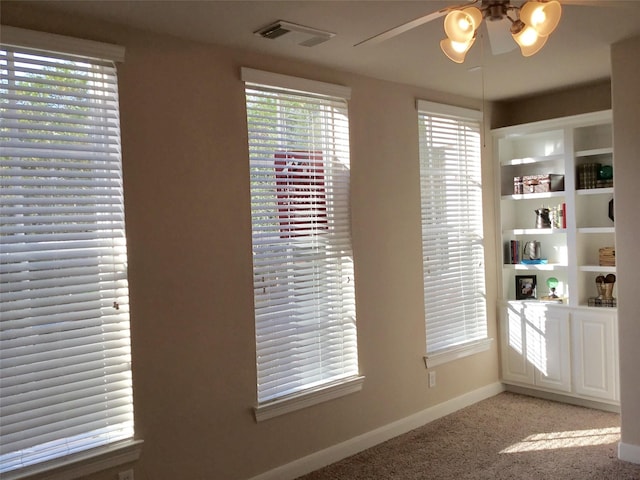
column 292, row 33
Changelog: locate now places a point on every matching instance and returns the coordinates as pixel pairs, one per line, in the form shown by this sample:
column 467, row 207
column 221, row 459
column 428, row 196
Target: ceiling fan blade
column 500, row 38
column 381, row 37
column 393, row 32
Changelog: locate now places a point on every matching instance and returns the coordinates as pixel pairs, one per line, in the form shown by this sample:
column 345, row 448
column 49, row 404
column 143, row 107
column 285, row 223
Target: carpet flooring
column 509, row 436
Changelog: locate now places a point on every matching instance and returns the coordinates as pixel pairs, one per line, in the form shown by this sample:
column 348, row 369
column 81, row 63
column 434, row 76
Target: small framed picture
column 525, row 287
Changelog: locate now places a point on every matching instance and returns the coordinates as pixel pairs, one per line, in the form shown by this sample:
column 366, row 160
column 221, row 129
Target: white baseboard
column 357, row 444
column 629, row 453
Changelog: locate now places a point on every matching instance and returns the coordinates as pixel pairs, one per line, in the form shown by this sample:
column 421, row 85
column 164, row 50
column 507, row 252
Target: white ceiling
column 578, row 52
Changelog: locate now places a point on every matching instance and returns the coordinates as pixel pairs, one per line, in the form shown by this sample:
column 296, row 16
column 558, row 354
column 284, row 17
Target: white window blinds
column 64, row 338
column 452, row 234
column 302, row 260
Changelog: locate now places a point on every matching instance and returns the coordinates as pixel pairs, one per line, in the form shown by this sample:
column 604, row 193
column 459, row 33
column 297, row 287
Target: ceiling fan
column 526, row 24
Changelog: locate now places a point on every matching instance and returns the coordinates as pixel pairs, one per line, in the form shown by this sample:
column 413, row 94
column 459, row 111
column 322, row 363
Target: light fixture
column 534, row 21
column 527, row 38
column 456, row 51
column 542, row 16
column 460, row 25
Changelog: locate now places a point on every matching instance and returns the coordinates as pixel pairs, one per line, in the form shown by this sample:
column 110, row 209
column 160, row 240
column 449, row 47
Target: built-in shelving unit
column 557, row 147
column 567, row 347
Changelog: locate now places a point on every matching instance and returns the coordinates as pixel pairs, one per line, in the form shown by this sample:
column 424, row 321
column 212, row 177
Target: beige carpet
column 509, row 436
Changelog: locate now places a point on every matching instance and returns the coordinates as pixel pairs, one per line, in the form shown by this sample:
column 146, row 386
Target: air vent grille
column 292, row 33
column 275, row 32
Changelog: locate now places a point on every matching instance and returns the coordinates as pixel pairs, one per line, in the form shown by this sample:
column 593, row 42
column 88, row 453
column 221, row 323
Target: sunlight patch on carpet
column 568, row 439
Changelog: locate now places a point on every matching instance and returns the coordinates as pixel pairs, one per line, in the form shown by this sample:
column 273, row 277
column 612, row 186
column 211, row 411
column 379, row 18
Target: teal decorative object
column 552, row 283
column 605, row 172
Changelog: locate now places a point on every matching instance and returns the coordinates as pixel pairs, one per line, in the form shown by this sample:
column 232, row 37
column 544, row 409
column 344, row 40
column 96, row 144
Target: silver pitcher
column 543, row 219
column 532, row 250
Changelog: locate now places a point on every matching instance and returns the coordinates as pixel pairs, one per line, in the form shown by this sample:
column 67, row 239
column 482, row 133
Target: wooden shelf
column 597, row 269
column 536, row 266
column 595, row 151
column 534, row 196
column 533, row 160
column 534, row 231
column 588, row 230
column 595, row 191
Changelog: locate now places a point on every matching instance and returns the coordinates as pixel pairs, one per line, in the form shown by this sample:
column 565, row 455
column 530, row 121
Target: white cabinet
column 516, row 366
column 552, row 334
column 572, row 351
column 594, row 343
column 535, row 345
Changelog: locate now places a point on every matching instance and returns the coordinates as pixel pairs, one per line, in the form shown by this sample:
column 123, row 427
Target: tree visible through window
column 65, row 371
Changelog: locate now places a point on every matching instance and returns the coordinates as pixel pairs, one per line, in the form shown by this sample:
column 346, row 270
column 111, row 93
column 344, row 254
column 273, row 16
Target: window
column 303, row 267
column 452, row 235
column 64, row 338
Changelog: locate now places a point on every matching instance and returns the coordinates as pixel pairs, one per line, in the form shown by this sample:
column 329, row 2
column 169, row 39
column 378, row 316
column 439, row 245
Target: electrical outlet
column 126, row 475
column 432, row 380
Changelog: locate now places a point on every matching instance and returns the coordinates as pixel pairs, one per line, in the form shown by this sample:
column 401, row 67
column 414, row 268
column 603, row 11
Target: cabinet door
column 535, row 345
column 595, row 354
column 513, row 351
column 552, row 347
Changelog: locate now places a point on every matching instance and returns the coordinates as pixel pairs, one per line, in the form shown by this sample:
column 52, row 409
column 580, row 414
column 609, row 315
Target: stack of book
column 558, row 216
column 588, row 175
column 604, row 183
column 602, row 302
column 513, row 250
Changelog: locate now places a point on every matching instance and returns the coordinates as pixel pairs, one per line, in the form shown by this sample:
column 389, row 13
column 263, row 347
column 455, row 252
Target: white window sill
column 457, row 352
column 308, row 398
column 83, row 463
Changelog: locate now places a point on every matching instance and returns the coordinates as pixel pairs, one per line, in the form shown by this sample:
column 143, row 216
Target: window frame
column 315, row 209
column 480, row 343
column 114, row 453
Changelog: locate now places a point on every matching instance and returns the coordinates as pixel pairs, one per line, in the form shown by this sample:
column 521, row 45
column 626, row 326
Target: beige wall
column 188, row 228
column 626, row 117
column 591, row 97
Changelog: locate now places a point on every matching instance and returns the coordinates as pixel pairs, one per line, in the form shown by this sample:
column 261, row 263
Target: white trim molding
column 260, row 77
column 52, row 42
column 457, row 352
column 84, row 463
column 448, row 110
column 370, row 439
column 629, row 453
column 308, row 398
